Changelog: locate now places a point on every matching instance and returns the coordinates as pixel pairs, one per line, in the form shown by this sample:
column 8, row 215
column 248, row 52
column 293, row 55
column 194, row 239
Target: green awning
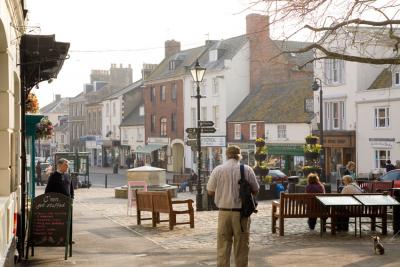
column 147, row 149
column 286, row 149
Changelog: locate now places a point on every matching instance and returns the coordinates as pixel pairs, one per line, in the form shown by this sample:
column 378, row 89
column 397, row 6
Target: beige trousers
column 229, row 223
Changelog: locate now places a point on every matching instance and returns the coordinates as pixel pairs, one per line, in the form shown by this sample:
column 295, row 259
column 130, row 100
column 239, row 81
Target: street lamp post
column 197, row 75
column 317, row 85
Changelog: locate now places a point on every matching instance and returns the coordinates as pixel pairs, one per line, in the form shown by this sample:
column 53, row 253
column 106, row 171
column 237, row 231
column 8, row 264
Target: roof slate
column 60, row 106
column 133, row 118
column 276, row 103
column 384, row 80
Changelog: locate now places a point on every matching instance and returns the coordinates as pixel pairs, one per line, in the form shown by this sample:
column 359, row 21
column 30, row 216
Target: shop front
column 213, row 151
column 154, row 153
column 110, row 153
column 287, row 157
column 340, row 148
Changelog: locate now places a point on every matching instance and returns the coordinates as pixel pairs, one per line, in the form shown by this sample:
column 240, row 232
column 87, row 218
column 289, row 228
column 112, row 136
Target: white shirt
column 224, row 181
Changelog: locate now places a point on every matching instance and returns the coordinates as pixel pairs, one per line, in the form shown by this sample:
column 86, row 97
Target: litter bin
column 396, row 212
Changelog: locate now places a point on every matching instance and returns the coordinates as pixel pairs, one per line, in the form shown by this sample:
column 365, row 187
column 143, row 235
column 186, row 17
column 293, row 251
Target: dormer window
column 172, row 65
column 213, row 55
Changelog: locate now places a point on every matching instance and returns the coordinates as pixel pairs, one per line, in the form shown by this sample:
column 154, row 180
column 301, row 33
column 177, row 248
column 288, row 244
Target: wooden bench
column 160, row 202
column 305, row 205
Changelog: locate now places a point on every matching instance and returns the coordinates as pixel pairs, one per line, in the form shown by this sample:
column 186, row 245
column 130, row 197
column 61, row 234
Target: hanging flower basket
column 31, row 104
column 311, row 155
column 260, row 157
column 260, row 142
column 260, row 170
column 311, row 169
column 44, row 129
column 311, row 139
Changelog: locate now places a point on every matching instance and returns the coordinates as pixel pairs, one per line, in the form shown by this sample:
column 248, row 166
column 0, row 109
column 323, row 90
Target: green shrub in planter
column 311, row 139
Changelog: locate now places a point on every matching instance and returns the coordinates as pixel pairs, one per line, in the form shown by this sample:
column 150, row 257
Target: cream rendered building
column 12, row 24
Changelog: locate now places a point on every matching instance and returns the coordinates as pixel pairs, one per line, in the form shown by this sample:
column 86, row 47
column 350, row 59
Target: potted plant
column 312, row 151
column 32, row 104
column 311, row 139
column 260, row 142
column 311, row 169
column 260, row 156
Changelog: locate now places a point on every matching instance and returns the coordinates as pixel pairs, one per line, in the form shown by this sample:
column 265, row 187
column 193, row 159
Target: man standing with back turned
column 224, row 185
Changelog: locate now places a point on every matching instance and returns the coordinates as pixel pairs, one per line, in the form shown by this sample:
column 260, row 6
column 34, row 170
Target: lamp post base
column 199, row 202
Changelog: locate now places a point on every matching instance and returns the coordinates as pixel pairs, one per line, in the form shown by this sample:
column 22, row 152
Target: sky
column 105, row 32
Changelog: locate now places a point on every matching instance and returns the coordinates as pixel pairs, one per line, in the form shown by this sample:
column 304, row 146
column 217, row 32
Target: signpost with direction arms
column 208, row 130
column 206, row 123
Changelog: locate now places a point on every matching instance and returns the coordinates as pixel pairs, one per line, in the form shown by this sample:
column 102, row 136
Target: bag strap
column 241, row 172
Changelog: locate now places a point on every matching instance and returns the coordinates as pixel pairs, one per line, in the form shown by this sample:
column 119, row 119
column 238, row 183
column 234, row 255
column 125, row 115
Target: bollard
column 105, row 180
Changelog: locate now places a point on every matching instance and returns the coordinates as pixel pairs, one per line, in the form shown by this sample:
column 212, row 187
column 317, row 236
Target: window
column 253, row 131
column 82, row 129
column 94, row 122
column 62, row 139
column 114, row 133
column 162, row 93
column 334, row 116
column 153, row 122
column 238, row 133
column 396, row 78
column 216, row 116
column 334, row 71
column 215, row 88
column 382, row 117
column 173, row 122
column 193, row 116
column 381, row 156
column 172, row 65
column 73, row 132
column 108, row 131
column 114, row 109
column 203, row 86
column 89, row 122
column 107, row 109
column 141, row 111
column 204, row 113
column 163, row 127
column 173, row 91
column 153, row 94
column 281, row 131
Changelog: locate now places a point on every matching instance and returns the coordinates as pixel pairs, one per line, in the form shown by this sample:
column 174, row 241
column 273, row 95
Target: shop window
column 381, row 156
column 382, row 117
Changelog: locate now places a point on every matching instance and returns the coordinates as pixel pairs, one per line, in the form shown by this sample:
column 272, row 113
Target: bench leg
column 191, row 216
column 281, row 226
column 172, row 221
column 373, row 223
column 273, row 224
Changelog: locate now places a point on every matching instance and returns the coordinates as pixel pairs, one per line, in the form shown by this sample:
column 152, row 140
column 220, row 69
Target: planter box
column 311, row 155
column 267, row 191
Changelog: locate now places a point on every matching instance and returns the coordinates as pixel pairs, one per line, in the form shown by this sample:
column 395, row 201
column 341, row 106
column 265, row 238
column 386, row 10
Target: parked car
column 393, row 175
column 277, row 175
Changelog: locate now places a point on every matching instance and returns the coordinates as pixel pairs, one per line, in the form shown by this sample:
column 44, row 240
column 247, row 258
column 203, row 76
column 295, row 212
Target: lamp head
column 197, row 72
column 315, row 86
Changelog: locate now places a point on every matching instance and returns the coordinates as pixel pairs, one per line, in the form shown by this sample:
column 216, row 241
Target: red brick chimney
column 172, row 47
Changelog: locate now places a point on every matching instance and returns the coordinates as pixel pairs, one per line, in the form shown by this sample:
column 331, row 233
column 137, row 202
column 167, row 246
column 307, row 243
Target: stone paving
column 204, row 233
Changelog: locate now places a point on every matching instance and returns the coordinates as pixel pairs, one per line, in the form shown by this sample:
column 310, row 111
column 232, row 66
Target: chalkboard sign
column 51, row 221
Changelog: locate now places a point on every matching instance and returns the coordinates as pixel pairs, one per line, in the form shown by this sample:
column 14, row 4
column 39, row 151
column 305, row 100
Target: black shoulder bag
column 249, row 203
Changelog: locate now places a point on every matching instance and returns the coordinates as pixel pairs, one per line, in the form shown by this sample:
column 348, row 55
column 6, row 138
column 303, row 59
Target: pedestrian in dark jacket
column 60, row 181
column 389, row 166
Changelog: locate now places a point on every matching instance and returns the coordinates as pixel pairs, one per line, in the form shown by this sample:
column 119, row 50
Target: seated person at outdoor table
column 313, row 186
column 350, row 187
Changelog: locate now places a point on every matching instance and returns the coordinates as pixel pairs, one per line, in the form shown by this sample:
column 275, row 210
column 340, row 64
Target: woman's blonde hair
column 313, row 178
column 347, row 178
column 350, row 164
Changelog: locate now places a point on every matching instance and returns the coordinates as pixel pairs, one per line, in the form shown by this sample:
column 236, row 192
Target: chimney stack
column 172, row 47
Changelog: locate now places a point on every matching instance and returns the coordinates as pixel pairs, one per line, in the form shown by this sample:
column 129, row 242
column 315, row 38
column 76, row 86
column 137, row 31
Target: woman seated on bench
column 313, row 186
column 350, row 187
